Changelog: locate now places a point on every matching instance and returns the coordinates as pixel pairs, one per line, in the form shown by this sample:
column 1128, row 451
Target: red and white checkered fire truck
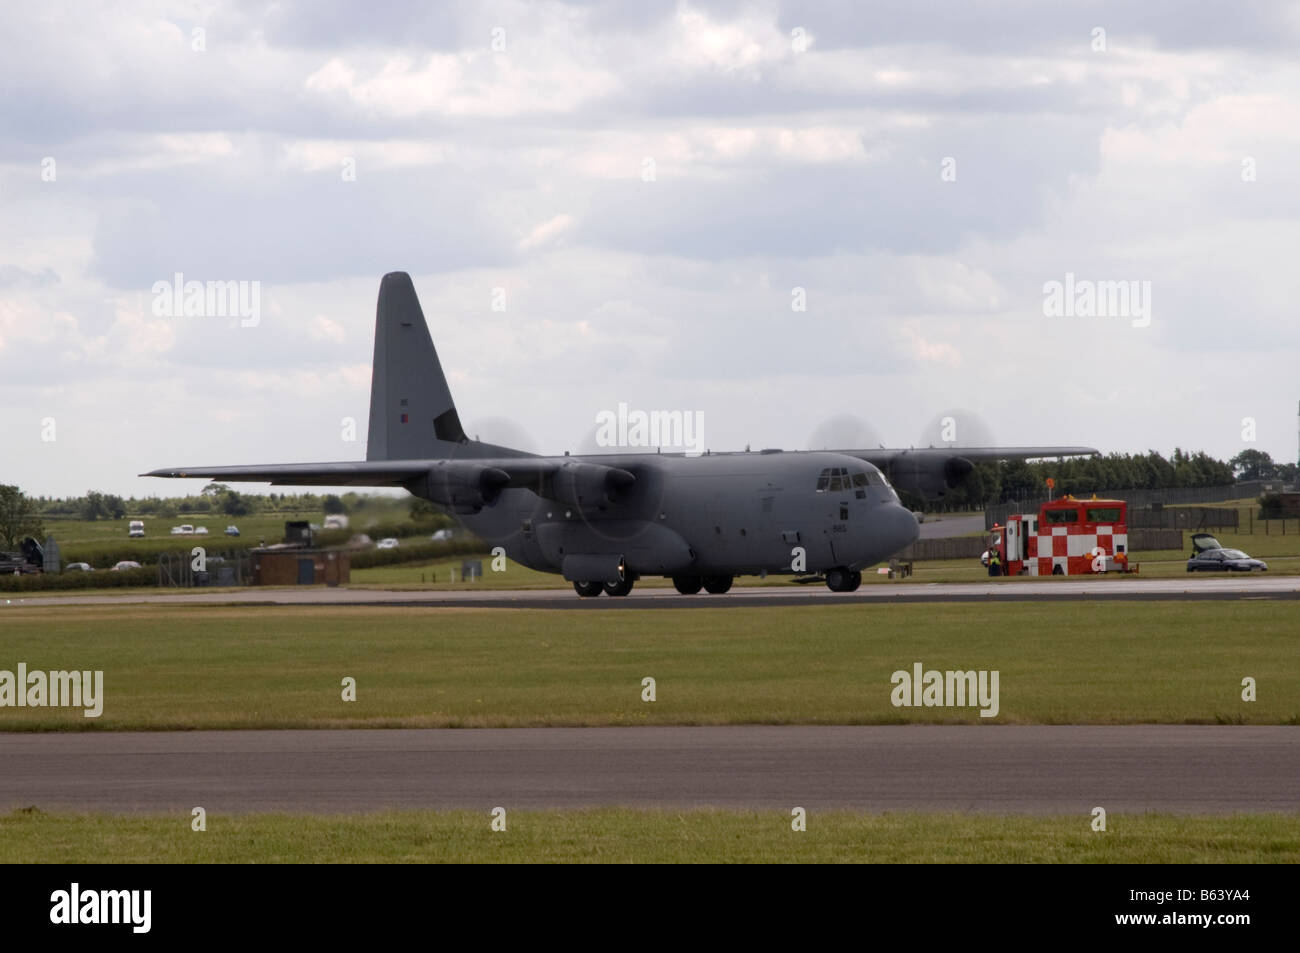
column 1066, row 537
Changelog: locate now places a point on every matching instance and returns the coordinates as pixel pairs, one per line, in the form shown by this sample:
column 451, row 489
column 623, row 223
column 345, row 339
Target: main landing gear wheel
column 842, row 580
column 620, row 588
column 588, row 589
column 688, row 585
column 717, row 584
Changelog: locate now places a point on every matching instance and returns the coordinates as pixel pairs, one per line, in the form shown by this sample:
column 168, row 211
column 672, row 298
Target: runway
column 1022, row 769
column 1246, row 586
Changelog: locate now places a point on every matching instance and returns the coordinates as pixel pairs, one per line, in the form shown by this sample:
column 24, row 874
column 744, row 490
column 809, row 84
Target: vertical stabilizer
column 412, row 415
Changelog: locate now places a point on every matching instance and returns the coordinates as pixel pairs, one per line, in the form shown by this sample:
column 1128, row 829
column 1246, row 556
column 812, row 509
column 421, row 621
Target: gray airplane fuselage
column 604, row 520
column 725, row 514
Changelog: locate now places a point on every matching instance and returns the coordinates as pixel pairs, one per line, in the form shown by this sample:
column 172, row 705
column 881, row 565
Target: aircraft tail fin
column 412, row 415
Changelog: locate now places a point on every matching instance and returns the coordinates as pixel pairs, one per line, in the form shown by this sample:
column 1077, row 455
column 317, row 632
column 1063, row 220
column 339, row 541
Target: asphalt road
column 1023, row 769
column 1245, row 586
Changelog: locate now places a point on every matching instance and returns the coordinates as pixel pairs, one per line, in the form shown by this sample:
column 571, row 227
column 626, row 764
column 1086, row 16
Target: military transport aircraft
column 605, row 520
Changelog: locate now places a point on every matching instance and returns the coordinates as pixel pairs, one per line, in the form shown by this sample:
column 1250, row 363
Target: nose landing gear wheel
column 620, row 588
column 588, row 589
column 842, row 580
column 717, row 584
column 688, row 585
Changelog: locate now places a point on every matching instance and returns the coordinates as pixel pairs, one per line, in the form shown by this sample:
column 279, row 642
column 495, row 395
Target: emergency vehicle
column 1066, row 537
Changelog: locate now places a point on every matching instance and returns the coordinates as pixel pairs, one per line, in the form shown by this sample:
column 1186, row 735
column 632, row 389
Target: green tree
column 235, row 505
column 1253, row 465
column 18, row 517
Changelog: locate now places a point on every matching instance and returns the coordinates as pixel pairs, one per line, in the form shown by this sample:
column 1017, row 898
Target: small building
column 1288, row 503
column 300, row 566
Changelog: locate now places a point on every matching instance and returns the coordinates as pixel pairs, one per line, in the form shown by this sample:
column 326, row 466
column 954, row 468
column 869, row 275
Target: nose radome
column 911, row 528
column 903, row 528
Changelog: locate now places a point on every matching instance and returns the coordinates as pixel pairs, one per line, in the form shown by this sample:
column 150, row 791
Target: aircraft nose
column 905, row 526
column 898, row 529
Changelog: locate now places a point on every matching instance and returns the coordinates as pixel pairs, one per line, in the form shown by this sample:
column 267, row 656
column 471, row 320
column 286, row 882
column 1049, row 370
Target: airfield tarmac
column 1249, row 586
column 1000, row 769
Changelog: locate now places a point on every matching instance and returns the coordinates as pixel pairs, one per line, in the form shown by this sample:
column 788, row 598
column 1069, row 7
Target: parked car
column 135, row 529
column 441, row 536
column 389, row 543
column 77, row 567
column 125, row 564
column 185, row 529
column 200, row 531
column 1225, row 560
column 232, row 530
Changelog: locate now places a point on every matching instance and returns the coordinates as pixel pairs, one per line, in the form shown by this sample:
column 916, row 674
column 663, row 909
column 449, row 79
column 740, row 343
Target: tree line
column 215, row 498
column 1012, row 480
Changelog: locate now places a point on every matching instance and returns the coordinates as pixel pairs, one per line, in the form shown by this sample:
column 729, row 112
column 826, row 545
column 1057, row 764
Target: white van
column 135, row 529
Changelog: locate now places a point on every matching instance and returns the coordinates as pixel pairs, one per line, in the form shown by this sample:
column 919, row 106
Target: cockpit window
column 839, row 479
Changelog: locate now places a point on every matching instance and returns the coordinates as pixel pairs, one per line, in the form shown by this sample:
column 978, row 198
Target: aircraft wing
column 883, row 457
column 362, row 472
column 932, row 471
column 464, row 485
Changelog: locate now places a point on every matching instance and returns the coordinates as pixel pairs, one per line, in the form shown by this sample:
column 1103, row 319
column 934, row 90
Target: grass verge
column 623, row 835
column 282, row 667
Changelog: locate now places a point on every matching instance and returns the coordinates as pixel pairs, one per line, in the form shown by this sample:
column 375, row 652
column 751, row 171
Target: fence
column 1150, row 540
column 971, row 547
column 1157, row 516
column 954, row 547
column 1167, row 496
column 231, row 569
column 1191, row 518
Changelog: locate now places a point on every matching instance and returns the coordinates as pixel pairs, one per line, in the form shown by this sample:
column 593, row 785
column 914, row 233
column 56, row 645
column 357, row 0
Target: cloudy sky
column 646, row 192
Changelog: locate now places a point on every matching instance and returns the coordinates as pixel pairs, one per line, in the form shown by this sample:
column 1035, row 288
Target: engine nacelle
column 586, row 484
column 929, row 476
column 461, row 487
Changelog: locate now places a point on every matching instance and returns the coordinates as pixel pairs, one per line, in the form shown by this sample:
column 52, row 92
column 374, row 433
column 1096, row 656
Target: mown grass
column 271, row 667
column 623, row 835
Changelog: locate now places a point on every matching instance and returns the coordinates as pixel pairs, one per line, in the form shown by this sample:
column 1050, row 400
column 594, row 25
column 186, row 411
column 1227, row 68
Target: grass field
column 1071, row 663
column 619, row 835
